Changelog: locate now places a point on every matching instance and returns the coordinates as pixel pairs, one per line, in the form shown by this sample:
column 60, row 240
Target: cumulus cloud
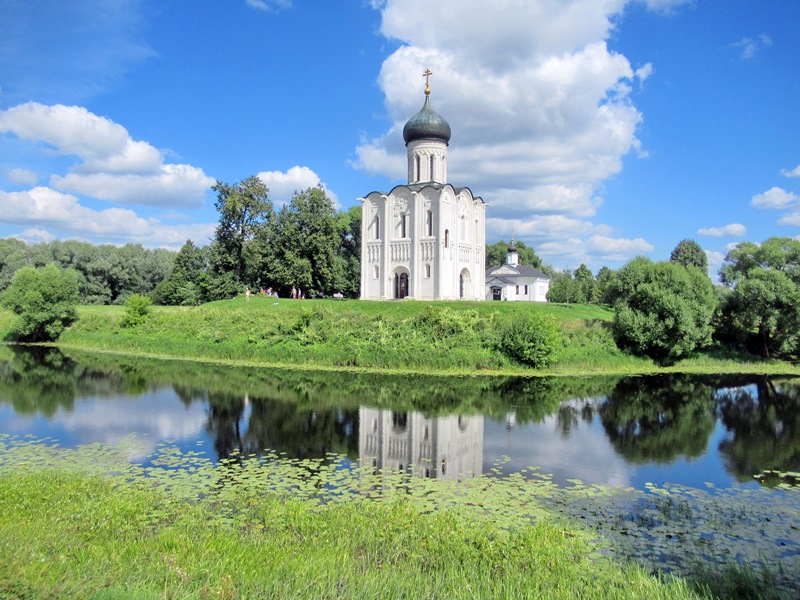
column 749, row 47
column 112, row 166
column 540, row 108
column 732, row 230
column 791, row 172
column 44, row 209
column 22, row 176
column 34, row 236
column 775, row 198
column 282, row 186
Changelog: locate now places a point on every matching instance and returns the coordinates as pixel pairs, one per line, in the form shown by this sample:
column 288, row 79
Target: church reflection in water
column 448, row 447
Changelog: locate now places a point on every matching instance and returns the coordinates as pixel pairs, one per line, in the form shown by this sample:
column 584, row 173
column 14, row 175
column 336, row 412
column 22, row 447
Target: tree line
column 665, row 310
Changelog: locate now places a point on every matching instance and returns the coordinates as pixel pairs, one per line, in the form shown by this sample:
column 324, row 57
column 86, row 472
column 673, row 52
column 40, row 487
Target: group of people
column 297, row 293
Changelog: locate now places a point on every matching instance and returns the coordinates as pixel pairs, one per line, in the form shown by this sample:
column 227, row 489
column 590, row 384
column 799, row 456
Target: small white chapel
column 424, row 240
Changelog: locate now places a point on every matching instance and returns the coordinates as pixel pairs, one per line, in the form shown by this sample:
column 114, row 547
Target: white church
column 424, row 240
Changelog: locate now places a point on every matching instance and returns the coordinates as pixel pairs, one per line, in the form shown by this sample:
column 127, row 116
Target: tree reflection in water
column 305, row 414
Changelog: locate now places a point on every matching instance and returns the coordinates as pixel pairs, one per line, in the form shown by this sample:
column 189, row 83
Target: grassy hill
column 407, row 336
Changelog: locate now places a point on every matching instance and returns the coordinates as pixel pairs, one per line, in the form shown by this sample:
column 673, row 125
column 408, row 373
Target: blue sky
column 597, row 130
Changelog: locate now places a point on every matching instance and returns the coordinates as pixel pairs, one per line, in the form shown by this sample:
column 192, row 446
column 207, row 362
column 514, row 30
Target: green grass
column 65, row 535
column 424, row 337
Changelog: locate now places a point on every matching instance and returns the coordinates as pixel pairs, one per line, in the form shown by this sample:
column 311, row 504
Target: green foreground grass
column 68, row 535
column 423, row 337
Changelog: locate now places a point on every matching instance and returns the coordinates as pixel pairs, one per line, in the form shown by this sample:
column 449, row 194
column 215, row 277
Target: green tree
column 183, row 284
column 243, row 208
column 584, row 284
column 44, row 300
column 496, row 254
column 688, row 252
column 305, row 243
column 602, row 282
column 762, row 313
column 662, row 310
column 562, row 288
column 348, row 270
column 532, row 339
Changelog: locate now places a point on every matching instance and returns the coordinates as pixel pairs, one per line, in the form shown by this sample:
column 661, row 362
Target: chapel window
column 526, row 290
column 446, row 238
column 429, row 223
column 517, row 290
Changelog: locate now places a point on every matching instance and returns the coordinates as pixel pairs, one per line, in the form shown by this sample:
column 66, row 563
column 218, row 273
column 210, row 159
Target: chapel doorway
column 400, row 285
column 464, row 285
column 497, row 293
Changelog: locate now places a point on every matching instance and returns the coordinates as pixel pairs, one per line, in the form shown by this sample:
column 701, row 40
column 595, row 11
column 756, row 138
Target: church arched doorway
column 400, row 285
column 464, row 284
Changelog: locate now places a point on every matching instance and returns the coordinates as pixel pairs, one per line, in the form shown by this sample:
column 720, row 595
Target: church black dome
column 426, row 124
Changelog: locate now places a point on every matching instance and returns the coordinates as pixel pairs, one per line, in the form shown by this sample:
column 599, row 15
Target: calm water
column 616, row 431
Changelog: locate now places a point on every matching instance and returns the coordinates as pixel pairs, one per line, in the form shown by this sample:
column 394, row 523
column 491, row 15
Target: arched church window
column 431, row 167
column 429, row 223
column 463, row 228
column 377, row 227
column 416, row 168
column 446, row 238
column 375, row 272
column 427, row 270
column 403, row 223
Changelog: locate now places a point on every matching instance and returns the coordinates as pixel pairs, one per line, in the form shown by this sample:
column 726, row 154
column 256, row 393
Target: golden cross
column 427, row 75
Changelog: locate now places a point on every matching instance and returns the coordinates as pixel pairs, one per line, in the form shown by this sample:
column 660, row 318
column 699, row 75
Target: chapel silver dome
column 426, row 124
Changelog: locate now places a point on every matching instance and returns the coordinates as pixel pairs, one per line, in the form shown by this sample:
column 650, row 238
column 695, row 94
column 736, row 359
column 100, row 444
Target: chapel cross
column 427, row 75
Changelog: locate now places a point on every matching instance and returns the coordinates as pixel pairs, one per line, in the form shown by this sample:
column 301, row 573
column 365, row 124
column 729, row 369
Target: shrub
column 662, row 310
column 137, row 308
column 44, row 300
column 533, row 339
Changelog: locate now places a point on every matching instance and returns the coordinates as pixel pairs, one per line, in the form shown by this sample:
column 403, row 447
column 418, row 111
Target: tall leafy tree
column 305, row 243
column 184, row 284
column 496, row 254
column 762, row 312
column 243, row 208
column 348, row 271
column 688, row 252
column 584, row 284
column 602, row 281
column 662, row 310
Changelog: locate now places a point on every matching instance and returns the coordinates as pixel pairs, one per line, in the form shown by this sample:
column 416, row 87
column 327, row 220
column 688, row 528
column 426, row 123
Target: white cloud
column 732, row 230
column 751, row 46
column 539, row 107
column 113, row 166
column 34, row 236
column 666, row 6
column 715, row 259
column 790, row 219
column 791, row 172
column 43, row 207
column 775, row 198
column 268, row 5
column 282, row 186
column 22, row 176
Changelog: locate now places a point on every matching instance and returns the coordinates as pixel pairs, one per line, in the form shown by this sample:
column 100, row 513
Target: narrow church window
column 517, row 290
column 429, row 223
column 463, row 228
column 416, row 168
column 427, row 270
column 446, row 238
column 402, row 226
column 431, row 160
column 375, row 272
column 526, row 290
column 377, row 228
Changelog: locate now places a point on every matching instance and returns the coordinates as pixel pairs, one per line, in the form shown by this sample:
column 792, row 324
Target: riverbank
column 454, row 338
column 66, row 532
